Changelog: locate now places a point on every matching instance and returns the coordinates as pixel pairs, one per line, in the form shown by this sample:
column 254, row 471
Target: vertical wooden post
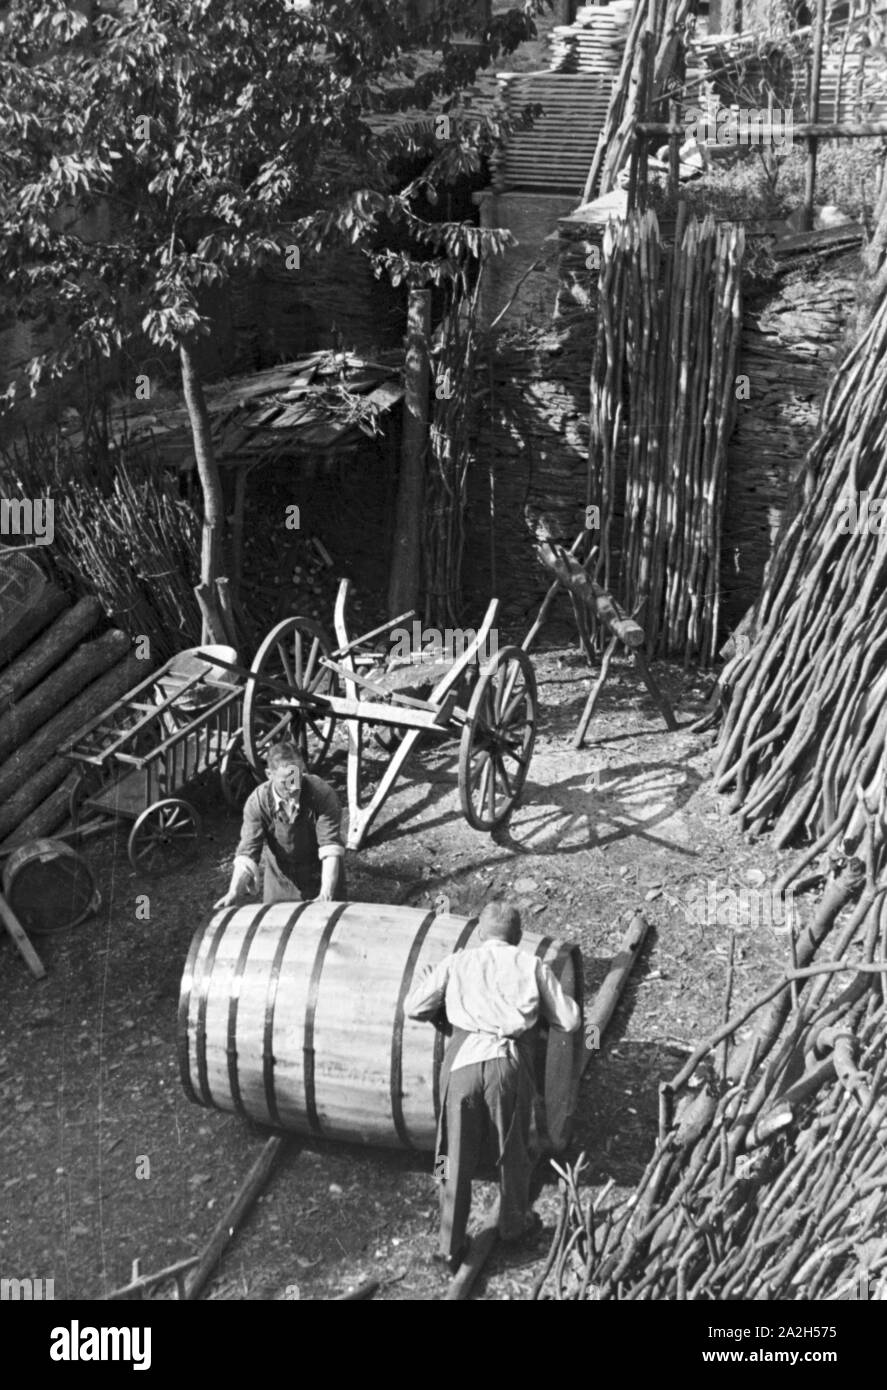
column 237, row 529
column 813, row 116
column 673, row 152
column 404, row 581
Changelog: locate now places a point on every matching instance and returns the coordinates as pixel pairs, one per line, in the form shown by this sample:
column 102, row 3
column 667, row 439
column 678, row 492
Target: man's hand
column 229, row 900
column 242, row 879
column 329, row 878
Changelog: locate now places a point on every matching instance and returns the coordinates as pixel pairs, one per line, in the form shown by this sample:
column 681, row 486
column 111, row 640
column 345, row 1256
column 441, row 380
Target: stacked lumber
column 594, row 41
column 805, row 725
column 553, row 155
column 768, row 1182
column 55, row 674
column 662, row 396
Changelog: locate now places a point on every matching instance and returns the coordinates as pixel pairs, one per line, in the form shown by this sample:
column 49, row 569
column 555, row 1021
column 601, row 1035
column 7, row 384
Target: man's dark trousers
column 487, row 1109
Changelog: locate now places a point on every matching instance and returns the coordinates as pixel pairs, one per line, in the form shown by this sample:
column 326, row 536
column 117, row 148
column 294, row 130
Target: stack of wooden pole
column 770, row 1180
column 662, row 400
column 805, row 725
column 52, row 680
column 134, row 543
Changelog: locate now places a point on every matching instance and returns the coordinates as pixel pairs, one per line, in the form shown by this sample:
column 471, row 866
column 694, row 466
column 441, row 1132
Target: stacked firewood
column 770, row 1182
column 662, row 401
column 55, row 675
column 806, row 725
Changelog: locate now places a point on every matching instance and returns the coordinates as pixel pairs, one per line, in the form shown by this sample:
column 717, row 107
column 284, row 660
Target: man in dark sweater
column 293, row 822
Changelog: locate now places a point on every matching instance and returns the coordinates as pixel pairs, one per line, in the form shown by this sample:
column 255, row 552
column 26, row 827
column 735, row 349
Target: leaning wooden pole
column 813, row 140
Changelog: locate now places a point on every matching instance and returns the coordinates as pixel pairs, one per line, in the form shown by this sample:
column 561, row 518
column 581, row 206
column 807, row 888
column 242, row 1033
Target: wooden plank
column 21, row 940
column 479, row 1251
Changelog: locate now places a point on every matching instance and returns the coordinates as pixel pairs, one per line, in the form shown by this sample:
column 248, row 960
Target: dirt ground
column 89, row 1078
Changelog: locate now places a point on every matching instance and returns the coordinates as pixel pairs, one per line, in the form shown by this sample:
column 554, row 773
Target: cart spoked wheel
column 88, row 783
column 165, row 834
column 497, row 739
column 236, row 773
column 290, row 655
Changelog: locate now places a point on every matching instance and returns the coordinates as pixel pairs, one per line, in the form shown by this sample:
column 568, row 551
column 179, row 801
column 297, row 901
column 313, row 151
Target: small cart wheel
column 88, row 782
column 497, row 739
column 290, row 655
column 236, row 773
column 164, row 834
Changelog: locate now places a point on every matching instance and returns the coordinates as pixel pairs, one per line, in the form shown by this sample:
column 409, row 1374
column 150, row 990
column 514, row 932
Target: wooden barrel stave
column 292, row 1014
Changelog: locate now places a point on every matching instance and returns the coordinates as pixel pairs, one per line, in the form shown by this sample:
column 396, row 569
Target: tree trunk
column 38, row 615
column 49, row 649
column 58, row 690
column 212, row 542
column 21, row 773
column 47, row 817
column 404, row 585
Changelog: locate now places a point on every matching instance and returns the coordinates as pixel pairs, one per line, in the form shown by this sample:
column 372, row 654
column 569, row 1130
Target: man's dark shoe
column 452, row 1262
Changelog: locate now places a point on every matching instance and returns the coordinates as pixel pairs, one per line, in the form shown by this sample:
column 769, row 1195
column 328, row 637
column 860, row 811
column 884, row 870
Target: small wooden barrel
column 49, row 886
column 292, row 1014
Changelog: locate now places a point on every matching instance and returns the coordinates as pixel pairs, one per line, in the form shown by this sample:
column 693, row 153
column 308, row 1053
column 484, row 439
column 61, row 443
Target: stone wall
column 532, row 444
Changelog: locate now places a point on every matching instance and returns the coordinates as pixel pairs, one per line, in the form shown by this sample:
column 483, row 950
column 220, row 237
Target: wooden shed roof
column 317, row 405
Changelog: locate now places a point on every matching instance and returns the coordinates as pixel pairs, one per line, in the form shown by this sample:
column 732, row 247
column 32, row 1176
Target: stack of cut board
column 862, row 96
column 594, row 42
column 55, row 674
column 555, row 155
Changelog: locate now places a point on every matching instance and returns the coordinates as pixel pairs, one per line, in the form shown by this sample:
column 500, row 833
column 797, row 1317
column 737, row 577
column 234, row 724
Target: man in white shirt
column 494, row 994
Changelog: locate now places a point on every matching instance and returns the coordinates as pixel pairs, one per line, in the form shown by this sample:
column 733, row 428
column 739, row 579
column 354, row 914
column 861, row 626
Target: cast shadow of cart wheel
column 594, row 809
column 578, row 811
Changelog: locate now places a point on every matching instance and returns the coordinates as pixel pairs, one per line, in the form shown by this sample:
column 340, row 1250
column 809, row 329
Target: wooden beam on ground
column 603, row 1006
column 227, row 1227
column 479, row 1251
column 21, row 940
column 142, row 1284
column 360, row 1294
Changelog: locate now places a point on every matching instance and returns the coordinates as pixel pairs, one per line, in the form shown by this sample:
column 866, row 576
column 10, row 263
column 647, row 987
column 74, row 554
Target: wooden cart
column 140, row 753
column 294, row 690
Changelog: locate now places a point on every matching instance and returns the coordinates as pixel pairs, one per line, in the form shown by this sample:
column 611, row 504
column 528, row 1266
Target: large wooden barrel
column 292, row 1014
column 49, row 886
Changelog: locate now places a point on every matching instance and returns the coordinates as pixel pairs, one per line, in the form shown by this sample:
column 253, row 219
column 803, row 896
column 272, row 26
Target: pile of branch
column 133, row 542
column 771, row 1181
column 662, row 401
column 805, row 726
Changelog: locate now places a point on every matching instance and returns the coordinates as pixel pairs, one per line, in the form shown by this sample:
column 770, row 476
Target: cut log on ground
column 48, row 650
column 35, row 770
column 45, row 818
column 32, row 711
column 48, row 604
